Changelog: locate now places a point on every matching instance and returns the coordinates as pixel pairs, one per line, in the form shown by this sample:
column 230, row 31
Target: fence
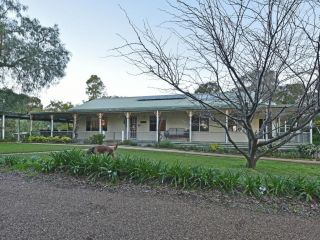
column 218, row 137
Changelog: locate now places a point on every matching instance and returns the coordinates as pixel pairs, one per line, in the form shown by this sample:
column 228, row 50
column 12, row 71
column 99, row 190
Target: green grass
column 28, row 148
column 263, row 166
column 223, row 163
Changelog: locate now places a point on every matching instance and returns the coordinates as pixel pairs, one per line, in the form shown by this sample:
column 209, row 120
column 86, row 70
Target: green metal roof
column 138, row 104
column 150, row 103
column 46, row 116
column 14, row 115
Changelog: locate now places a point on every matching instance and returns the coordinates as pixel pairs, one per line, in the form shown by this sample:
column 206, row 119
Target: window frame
column 92, row 124
column 153, row 121
column 197, row 125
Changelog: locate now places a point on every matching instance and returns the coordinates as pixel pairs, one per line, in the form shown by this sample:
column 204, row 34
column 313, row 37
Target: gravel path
column 55, row 207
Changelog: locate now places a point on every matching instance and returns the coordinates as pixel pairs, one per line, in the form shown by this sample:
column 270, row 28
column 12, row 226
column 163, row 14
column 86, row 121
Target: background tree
column 289, row 93
column 31, row 55
column 238, row 45
column 19, row 103
column 208, row 87
column 58, row 106
column 34, row 105
column 95, row 87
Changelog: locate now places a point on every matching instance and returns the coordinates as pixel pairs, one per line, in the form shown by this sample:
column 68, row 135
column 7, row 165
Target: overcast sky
column 89, row 29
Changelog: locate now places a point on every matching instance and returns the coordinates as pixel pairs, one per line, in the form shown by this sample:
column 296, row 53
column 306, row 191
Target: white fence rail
column 209, row 137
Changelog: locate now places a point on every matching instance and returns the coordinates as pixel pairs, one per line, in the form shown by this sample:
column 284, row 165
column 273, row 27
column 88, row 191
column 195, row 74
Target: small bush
column 309, row 151
column 292, row 153
column 54, row 139
column 42, row 139
column 96, row 139
column 9, row 161
column 65, row 140
column 20, row 163
column 214, row 147
column 38, row 139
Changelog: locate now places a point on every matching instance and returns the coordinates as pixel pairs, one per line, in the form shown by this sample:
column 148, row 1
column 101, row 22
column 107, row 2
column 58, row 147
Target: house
column 153, row 118
column 173, row 117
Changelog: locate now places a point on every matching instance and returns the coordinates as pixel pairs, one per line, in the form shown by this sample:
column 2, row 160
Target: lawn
column 233, row 163
column 28, row 147
column 263, row 166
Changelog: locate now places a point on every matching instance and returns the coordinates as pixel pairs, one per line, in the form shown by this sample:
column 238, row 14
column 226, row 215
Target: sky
column 89, row 29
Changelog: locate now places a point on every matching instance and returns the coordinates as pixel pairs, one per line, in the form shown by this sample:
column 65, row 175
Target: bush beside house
column 42, row 139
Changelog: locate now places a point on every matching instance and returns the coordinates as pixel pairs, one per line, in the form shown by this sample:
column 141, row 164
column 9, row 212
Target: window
column 104, row 124
column 153, row 124
column 92, row 124
column 195, row 123
column 200, row 124
column 233, row 126
column 162, row 125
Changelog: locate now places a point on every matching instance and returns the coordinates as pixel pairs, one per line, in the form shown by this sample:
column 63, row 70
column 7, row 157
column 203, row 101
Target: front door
column 133, row 127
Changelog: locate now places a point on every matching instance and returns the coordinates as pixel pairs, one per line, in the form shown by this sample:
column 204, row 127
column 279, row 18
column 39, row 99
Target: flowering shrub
column 42, row 139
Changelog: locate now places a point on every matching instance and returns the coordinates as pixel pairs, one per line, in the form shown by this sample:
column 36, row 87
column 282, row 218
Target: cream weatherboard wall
column 176, row 119
column 116, row 126
column 143, row 127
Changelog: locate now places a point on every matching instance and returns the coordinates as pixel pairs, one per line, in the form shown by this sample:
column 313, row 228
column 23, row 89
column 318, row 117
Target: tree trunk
column 251, row 163
column 252, row 151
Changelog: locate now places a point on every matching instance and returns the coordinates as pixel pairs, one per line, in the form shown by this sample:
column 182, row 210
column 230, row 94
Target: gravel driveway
column 55, row 207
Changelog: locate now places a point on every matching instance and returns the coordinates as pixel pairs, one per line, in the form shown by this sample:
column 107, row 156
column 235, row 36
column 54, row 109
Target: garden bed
column 141, row 170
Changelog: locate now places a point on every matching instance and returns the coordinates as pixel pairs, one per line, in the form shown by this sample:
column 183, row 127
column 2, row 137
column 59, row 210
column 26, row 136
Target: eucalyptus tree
column 95, row 87
column 32, row 56
column 58, row 106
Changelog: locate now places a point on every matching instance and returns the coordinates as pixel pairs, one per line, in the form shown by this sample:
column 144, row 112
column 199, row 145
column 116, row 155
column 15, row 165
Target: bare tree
column 248, row 48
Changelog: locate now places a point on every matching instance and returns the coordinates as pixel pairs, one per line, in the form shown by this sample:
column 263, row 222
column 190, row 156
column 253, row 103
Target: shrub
column 292, row 153
column 9, row 160
column 42, row 139
column 214, row 147
column 309, row 150
column 251, row 185
column 20, row 163
column 54, row 139
column 65, row 140
column 277, row 185
column 96, row 138
column 38, row 139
